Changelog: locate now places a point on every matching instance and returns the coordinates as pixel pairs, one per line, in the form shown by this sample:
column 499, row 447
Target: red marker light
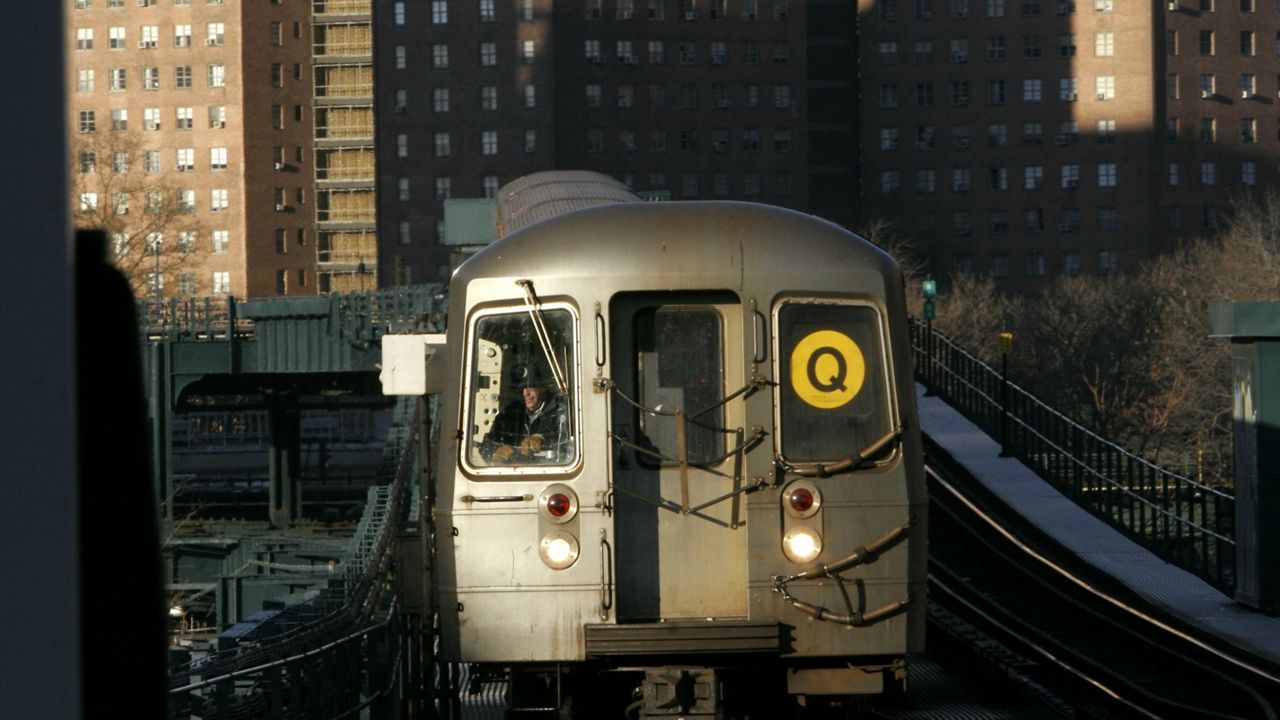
column 801, row 499
column 559, row 504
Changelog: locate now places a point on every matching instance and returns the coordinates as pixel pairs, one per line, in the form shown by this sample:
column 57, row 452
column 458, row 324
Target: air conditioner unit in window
column 210, row 41
column 279, row 166
column 217, row 124
column 1206, row 93
column 1102, row 96
column 281, row 207
column 1246, row 94
column 1173, row 5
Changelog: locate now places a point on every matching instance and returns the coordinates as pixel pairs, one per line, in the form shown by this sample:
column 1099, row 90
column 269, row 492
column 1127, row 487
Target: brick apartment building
column 1031, row 138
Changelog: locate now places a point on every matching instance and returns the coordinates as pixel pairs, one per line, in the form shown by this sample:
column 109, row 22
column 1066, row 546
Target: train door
column 680, row 552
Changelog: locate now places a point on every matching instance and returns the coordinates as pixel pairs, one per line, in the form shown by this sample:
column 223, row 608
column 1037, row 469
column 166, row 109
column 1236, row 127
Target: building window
column 1070, row 176
column 217, row 116
column 657, row 52
column 1208, row 85
column 182, row 76
column 1033, row 220
column 961, row 180
column 87, row 123
column 959, row 137
column 84, row 39
column 440, row 143
column 1031, row 47
column 84, row 80
column 440, row 56
column 439, row 12
column 1106, row 134
column 221, row 282
column 487, row 13
column 1104, row 44
column 782, row 140
column 489, row 186
column 488, row 54
column 1208, row 130
column 217, row 76
column 115, row 38
column 221, row 242
column 1031, row 91
column 1208, row 174
column 1107, row 175
column 1069, row 221
column 1034, row 264
column 888, row 95
column 443, row 187
column 782, row 96
column 1249, row 173
column 1174, row 174
column 489, row 97
column 961, row 223
column 925, row 181
column 215, row 34
column 926, row 137
column 218, row 200
column 688, row 52
column 1248, row 45
column 151, row 119
column 218, row 158
column 1206, row 42
column 995, row 48
column 1033, row 177
column 402, row 57
column 1248, row 130
column 1106, row 87
column 117, row 79
column 924, row 94
column 888, row 138
column 998, row 178
column 151, row 161
column 119, row 120
column 1107, row 262
column 998, row 135
column 527, row 51
column 489, row 142
column 1248, row 85
column 995, row 92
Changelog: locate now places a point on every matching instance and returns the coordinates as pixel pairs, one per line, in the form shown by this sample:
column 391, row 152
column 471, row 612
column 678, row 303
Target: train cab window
column 521, row 390
column 680, row 366
column 833, row 383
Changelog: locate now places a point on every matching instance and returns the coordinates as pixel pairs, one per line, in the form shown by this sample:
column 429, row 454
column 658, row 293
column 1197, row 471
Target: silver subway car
column 680, row 447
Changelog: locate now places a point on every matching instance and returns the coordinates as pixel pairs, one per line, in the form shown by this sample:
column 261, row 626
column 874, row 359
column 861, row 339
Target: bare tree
column 150, row 222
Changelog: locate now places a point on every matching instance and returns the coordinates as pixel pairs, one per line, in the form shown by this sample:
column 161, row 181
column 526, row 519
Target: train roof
column 539, row 196
column 681, row 245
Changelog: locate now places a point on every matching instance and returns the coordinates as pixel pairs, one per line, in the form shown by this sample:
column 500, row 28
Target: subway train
column 679, row 466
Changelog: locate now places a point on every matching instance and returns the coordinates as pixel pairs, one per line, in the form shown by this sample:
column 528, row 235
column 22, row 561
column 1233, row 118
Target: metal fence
column 357, row 316
column 336, row 654
column 1185, row 522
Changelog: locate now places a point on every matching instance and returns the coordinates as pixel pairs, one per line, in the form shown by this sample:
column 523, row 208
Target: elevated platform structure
column 1173, row 590
column 278, row 355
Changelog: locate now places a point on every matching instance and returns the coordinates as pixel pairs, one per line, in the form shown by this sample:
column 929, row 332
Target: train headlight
column 558, row 503
column 558, row 550
column 802, row 544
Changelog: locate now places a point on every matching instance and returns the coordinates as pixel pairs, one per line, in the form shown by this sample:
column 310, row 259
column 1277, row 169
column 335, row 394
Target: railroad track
column 1081, row 635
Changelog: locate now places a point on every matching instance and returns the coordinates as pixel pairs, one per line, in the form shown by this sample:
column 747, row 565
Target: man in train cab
column 533, row 429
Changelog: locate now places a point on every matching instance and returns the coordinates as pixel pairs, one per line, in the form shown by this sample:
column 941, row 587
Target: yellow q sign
column 827, row 369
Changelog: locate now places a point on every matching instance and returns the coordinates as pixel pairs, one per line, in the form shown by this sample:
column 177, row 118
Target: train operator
column 533, row 429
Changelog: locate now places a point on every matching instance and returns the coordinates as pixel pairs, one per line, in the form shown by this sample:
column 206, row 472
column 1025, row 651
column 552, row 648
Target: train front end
column 725, row 493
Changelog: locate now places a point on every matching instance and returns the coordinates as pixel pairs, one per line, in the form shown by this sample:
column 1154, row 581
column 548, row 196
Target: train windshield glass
column 833, row 385
column 679, row 367
column 520, row 415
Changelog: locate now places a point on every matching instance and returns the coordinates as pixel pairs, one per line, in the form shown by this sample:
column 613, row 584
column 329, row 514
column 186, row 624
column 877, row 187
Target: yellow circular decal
column 827, row 369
